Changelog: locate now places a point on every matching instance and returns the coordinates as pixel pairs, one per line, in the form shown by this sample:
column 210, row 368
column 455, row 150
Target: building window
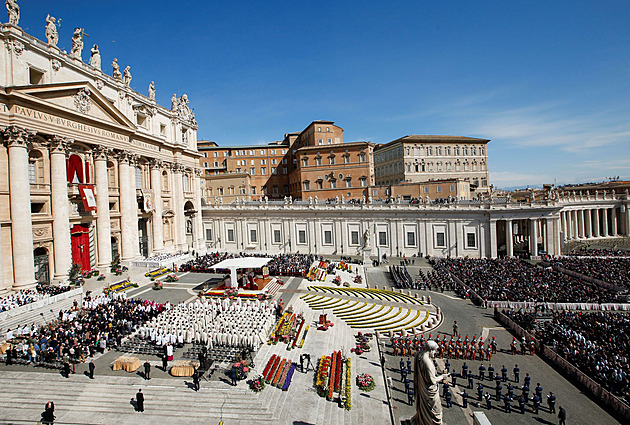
column 273, row 161
column 471, row 241
column 163, row 131
column 274, row 170
column 363, row 182
column 138, row 178
column 276, row 236
column 35, row 76
column 452, row 188
column 382, row 238
column 220, row 191
column 346, row 159
column 332, row 160
column 307, row 185
column 230, row 235
column 208, row 234
column 285, row 170
column 348, row 183
column 333, row 184
column 253, row 236
column 275, row 190
column 440, row 240
column 362, row 157
column 438, row 189
column 320, row 184
column 285, row 188
column 252, row 171
column 304, row 162
column 330, row 141
column 318, row 161
column 302, row 237
column 263, row 171
column 320, row 141
column 253, row 190
column 411, row 239
column 328, row 237
column 354, row 237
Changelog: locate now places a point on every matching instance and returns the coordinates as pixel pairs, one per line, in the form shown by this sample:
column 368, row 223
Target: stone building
column 90, row 168
column 420, row 158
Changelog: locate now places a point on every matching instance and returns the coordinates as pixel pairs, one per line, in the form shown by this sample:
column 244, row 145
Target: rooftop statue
column 14, row 11
column 152, row 90
column 116, row 70
column 77, row 43
column 127, row 76
column 51, row 30
column 95, row 59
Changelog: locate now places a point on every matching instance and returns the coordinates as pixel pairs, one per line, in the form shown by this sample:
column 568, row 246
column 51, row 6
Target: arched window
column 138, row 178
column 165, row 180
column 111, row 175
column 75, row 169
column 36, row 167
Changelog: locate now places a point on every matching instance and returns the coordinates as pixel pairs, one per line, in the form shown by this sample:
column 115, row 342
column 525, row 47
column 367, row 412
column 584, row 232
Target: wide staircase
column 108, row 400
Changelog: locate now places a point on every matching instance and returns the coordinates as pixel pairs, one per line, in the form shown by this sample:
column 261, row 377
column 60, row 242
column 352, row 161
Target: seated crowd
column 596, row 343
column 613, row 270
column 28, row 296
column 511, row 279
column 81, row 331
column 599, row 252
column 280, row 265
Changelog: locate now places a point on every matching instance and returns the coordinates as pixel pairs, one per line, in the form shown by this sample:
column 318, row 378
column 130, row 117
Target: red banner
column 88, row 198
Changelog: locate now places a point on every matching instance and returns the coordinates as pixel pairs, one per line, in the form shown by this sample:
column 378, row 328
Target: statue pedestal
column 367, row 252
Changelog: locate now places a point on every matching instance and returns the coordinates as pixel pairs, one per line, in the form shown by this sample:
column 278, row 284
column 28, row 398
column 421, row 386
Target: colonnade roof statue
column 426, row 389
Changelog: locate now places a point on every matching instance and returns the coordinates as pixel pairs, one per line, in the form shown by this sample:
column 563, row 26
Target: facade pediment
column 80, row 98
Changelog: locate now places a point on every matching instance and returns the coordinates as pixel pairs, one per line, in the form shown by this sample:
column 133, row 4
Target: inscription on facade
column 63, row 122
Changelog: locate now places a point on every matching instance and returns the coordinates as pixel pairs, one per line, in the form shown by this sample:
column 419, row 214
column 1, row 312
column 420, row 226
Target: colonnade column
column 596, row 228
column 533, row 237
column 156, row 186
column 550, row 226
column 563, row 217
column 509, row 238
column 127, row 194
column 582, row 232
column 103, row 226
column 60, row 208
column 17, row 139
column 574, row 224
column 625, row 210
column 613, row 220
column 493, row 238
column 178, row 207
column 605, row 222
column 588, row 224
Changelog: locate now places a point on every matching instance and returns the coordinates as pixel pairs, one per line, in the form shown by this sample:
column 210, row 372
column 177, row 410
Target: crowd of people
column 599, row 252
column 613, row 270
column 280, row 265
column 510, row 279
column 81, row 331
column 596, row 343
column 27, row 296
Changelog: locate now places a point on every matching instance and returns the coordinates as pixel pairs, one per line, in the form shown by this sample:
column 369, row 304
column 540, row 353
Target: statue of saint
column 152, row 90
column 127, row 76
column 174, row 102
column 426, row 389
column 77, row 43
column 366, row 238
column 14, row 11
column 116, row 70
column 51, row 31
column 95, row 59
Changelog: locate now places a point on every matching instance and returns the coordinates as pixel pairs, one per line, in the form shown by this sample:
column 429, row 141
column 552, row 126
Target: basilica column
column 60, row 208
column 127, row 194
column 509, row 238
column 200, row 245
column 103, row 225
column 156, row 186
column 133, row 162
column 605, row 222
column 533, row 237
column 17, row 140
column 178, row 207
column 3, row 289
column 613, row 220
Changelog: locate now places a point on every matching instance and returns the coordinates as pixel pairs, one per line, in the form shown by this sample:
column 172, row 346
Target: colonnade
column 588, row 222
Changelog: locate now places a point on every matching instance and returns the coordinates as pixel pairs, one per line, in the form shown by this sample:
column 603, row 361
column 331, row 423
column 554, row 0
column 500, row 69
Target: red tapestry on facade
column 80, row 237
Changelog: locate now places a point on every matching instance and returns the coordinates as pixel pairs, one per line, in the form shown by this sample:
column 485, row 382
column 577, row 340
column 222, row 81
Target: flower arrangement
column 270, row 370
column 321, row 380
column 157, row 285
column 171, row 278
column 365, row 382
column 120, row 287
column 241, row 369
column 230, row 293
column 116, row 268
column 74, row 275
column 358, row 279
column 101, row 277
column 257, row 384
column 337, row 280
column 347, row 401
column 346, row 284
column 157, row 272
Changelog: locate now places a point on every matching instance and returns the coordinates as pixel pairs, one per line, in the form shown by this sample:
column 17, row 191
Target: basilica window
column 36, row 167
column 111, row 175
column 165, row 181
column 138, row 178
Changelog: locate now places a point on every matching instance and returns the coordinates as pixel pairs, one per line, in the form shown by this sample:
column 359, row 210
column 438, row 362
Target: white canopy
column 233, row 264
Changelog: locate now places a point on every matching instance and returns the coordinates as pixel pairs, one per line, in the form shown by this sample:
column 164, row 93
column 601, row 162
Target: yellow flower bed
column 381, row 319
column 341, row 310
column 406, row 324
column 366, row 316
column 333, row 302
column 361, row 310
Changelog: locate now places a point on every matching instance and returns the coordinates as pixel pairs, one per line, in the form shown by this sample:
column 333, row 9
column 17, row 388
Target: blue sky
column 547, row 82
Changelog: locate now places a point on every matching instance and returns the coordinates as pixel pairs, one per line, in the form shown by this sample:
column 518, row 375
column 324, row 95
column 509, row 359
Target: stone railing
column 614, row 404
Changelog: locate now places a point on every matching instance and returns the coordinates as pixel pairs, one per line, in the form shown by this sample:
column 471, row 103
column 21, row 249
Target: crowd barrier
column 613, row 403
column 166, row 262
column 475, row 298
column 49, row 299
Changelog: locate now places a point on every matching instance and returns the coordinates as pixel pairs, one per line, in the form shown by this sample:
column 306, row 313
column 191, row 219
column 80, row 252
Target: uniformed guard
column 536, row 403
column 506, row 402
column 504, row 372
column 464, row 370
column 517, row 372
column 470, row 380
column 482, row 372
column 464, row 399
column 480, row 391
column 448, row 397
column 551, row 402
column 490, row 372
column 521, row 404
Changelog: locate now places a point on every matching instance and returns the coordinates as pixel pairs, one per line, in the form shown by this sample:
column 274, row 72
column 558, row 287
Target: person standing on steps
column 91, row 368
column 562, row 416
column 147, row 370
column 140, row 401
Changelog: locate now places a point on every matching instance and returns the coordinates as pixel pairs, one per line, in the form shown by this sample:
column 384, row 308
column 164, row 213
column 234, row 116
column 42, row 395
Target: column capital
column 156, row 163
column 124, row 156
column 59, row 144
column 100, row 153
column 199, row 172
column 177, row 168
column 15, row 136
